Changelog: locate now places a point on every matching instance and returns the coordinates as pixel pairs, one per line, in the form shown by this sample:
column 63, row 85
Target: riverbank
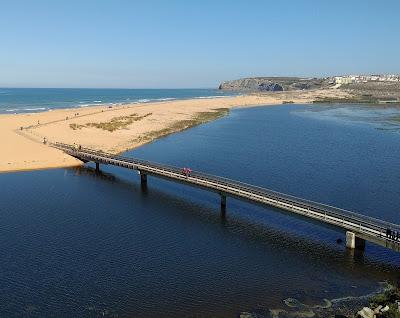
column 119, row 128
column 381, row 303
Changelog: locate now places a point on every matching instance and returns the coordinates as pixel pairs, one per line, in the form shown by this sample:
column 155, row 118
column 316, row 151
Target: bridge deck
column 368, row 228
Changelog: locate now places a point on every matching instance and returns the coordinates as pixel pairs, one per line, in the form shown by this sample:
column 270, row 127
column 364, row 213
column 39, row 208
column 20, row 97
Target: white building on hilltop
column 348, row 79
column 343, row 80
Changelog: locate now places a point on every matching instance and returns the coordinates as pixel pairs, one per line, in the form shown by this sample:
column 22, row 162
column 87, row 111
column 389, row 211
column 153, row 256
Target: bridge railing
column 346, row 215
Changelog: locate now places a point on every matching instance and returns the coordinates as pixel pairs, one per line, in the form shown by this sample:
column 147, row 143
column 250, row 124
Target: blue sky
column 169, row 44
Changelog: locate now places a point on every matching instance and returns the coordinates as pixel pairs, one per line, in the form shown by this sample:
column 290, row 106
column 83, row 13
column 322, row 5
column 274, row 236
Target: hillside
column 274, row 84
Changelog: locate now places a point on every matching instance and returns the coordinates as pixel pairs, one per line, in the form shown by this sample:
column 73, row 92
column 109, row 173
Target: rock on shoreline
column 383, row 303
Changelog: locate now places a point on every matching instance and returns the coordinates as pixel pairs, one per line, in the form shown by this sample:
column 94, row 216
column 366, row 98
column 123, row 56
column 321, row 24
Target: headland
column 118, row 128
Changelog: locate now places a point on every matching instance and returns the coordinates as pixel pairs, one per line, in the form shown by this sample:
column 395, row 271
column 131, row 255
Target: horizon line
column 149, row 88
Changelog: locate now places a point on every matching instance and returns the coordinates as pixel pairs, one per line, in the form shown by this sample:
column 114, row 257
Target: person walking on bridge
column 186, row 172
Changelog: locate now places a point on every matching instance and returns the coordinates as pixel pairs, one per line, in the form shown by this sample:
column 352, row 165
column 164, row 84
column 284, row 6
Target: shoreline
column 38, row 110
column 120, row 128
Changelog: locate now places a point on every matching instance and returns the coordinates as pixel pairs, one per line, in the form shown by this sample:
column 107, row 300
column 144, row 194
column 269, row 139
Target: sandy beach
column 118, row 128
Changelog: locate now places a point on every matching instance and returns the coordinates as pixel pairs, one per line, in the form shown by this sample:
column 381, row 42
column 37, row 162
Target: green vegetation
column 197, row 119
column 358, row 99
column 388, row 297
column 75, row 126
column 287, row 102
column 365, row 99
column 114, row 124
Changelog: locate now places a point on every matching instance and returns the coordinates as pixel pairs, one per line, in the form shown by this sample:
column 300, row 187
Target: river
column 74, row 243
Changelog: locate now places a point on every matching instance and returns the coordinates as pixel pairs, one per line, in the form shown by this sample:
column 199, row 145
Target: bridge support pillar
column 223, row 205
column 143, row 180
column 352, row 241
column 97, row 167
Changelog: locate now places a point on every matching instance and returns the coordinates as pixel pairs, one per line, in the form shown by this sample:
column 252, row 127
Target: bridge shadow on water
column 259, row 226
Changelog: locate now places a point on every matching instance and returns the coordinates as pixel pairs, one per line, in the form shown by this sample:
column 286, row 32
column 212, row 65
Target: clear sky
column 171, row 43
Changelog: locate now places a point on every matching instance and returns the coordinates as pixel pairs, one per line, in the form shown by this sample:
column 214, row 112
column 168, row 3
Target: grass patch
column 361, row 99
column 197, row 119
column 75, row 126
column 114, row 124
column 365, row 99
column 388, row 297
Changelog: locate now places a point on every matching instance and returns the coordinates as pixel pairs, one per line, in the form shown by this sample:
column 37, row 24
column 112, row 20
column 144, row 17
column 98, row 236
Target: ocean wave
column 213, row 96
column 33, row 109
column 21, row 110
column 150, row 100
column 95, row 104
column 88, row 103
column 165, row 99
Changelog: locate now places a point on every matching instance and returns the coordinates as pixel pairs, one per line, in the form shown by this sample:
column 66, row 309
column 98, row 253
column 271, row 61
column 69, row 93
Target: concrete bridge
column 358, row 227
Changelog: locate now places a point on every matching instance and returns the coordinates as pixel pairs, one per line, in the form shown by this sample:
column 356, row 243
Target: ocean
column 28, row 100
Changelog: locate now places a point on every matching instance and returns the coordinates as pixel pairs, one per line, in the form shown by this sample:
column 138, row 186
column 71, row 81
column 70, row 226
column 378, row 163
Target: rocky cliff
column 273, row 84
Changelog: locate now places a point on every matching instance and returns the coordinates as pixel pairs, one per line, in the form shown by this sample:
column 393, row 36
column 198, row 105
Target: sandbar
column 117, row 129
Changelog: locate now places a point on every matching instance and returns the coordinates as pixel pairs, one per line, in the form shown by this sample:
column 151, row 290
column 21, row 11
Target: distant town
column 350, row 79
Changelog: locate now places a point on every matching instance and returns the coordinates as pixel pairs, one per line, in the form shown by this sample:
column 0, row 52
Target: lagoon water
column 77, row 244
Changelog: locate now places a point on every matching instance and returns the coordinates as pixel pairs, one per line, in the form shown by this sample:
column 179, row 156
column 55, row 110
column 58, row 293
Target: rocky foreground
column 384, row 303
